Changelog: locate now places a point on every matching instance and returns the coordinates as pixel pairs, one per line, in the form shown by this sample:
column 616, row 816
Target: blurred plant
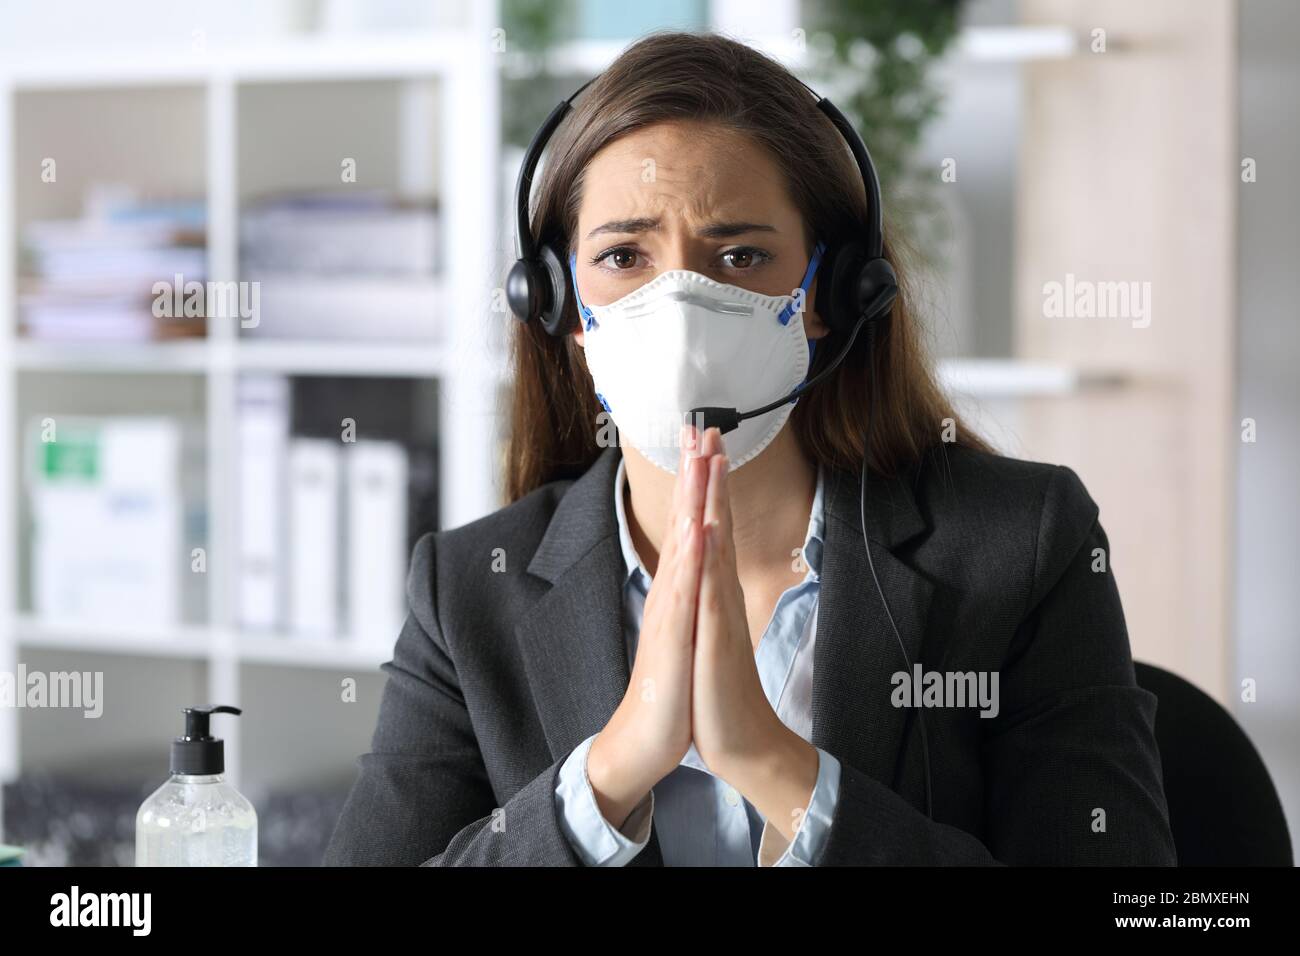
column 529, row 89
column 875, row 59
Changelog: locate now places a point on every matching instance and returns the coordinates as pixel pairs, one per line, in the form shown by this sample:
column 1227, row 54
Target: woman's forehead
column 689, row 168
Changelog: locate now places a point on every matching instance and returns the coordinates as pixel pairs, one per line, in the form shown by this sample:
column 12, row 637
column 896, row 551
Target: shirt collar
column 631, row 560
column 814, row 537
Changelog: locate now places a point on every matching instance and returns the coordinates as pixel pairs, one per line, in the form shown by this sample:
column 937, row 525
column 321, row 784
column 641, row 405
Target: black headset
column 856, row 279
column 856, row 286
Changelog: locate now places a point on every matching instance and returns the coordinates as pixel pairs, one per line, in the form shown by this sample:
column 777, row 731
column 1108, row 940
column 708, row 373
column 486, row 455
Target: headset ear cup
column 522, row 290
column 844, row 285
column 555, row 276
column 877, row 288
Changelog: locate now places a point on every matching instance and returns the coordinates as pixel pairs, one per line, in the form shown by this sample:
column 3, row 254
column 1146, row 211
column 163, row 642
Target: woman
column 681, row 651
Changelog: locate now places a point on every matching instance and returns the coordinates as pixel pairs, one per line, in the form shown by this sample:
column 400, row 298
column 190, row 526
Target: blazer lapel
column 856, row 653
column 572, row 641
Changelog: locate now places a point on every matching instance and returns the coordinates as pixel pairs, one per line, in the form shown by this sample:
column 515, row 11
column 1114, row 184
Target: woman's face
column 689, row 195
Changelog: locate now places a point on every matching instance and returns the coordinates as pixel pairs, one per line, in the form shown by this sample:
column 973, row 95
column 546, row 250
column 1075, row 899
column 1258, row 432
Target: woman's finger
column 727, row 539
column 684, row 438
column 716, row 508
column 680, row 616
column 669, row 541
column 685, row 445
column 711, row 599
column 693, row 481
column 711, row 442
column 697, row 480
column 720, row 562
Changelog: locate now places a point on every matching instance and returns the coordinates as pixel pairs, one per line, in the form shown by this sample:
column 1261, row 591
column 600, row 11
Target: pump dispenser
column 196, row 818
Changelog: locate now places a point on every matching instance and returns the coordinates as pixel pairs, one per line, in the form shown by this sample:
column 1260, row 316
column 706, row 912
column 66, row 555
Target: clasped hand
column 694, row 678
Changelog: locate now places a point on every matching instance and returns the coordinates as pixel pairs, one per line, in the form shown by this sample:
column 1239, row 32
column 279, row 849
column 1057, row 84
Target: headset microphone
column 726, row 419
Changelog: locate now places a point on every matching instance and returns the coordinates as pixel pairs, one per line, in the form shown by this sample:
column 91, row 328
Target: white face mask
column 682, row 341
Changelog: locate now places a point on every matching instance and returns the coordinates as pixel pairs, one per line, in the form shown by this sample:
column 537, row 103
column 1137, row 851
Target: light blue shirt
column 702, row 820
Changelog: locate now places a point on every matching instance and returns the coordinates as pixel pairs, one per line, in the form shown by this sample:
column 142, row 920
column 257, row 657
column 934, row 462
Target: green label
column 74, row 457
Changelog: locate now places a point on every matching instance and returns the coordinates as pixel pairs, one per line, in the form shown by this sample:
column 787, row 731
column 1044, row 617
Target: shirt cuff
column 810, row 838
column 596, row 841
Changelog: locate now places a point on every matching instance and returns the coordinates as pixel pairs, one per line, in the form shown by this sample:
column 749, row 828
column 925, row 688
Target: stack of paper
column 96, row 278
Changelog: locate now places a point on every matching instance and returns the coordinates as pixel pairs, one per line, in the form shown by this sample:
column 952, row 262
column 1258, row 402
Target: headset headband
column 527, row 247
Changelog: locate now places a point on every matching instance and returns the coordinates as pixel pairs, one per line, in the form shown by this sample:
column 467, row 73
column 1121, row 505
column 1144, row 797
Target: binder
column 377, row 489
column 262, row 436
column 314, row 536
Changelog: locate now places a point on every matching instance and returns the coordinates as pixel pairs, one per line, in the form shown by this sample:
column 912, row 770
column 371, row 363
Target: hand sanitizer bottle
column 196, row 818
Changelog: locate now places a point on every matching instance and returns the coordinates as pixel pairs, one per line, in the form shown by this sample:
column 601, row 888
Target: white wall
column 1267, row 613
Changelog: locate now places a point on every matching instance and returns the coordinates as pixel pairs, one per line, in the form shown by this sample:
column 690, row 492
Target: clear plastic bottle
column 196, row 818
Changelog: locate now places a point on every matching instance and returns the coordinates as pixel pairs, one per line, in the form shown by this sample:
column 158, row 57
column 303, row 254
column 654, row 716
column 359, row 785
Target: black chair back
column 1223, row 807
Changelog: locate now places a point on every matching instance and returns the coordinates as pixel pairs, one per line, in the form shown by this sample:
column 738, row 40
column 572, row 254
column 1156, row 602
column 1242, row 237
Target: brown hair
column 682, row 76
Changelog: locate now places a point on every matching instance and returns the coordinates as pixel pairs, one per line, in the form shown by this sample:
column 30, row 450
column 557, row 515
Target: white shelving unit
column 459, row 70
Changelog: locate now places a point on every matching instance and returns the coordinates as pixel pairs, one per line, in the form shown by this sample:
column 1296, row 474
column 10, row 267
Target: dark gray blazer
column 987, row 563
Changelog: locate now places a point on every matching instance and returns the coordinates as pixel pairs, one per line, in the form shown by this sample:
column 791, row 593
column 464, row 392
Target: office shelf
column 440, row 99
column 291, row 357
column 134, row 358
column 196, row 642
column 183, row 642
column 1018, row 378
column 416, row 360
column 332, row 653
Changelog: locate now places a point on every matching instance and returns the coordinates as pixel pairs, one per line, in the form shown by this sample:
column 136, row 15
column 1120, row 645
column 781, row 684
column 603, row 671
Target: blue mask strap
column 813, row 263
column 582, row 309
column 788, row 311
column 586, row 314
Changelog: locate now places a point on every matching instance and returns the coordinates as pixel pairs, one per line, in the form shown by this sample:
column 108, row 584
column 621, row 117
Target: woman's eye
column 619, row 259
column 743, row 258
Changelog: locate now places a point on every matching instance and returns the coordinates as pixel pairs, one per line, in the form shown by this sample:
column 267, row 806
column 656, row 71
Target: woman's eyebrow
column 725, row 230
column 625, row 225
column 716, row 230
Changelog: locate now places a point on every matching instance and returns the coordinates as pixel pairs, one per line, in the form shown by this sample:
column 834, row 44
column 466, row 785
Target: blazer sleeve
column 422, row 794
column 1071, row 768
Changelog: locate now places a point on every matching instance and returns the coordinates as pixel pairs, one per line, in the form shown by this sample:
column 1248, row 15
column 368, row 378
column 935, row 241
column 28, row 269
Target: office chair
column 1223, row 807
